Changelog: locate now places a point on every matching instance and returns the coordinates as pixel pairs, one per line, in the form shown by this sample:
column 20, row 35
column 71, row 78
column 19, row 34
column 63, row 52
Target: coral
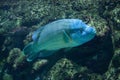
column 16, row 57
column 116, row 59
column 112, row 74
column 115, row 16
column 39, row 63
column 87, row 76
column 28, row 39
column 114, row 67
column 102, row 28
column 63, row 69
column 117, row 38
column 13, row 54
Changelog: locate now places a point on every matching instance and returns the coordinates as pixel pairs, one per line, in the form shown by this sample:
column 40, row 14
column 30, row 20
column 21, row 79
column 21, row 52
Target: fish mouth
column 90, row 30
column 94, row 30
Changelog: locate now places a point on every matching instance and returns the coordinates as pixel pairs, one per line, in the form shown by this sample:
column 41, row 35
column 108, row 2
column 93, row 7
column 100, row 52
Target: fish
column 59, row 34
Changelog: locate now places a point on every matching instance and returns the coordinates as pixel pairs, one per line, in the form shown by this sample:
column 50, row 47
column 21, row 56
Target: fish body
column 64, row 33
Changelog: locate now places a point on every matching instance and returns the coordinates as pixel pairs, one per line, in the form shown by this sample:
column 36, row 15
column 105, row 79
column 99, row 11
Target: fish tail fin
column 30, row 52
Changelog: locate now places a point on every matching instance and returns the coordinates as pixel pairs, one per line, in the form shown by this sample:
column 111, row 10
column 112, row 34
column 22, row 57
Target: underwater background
column 98, row 59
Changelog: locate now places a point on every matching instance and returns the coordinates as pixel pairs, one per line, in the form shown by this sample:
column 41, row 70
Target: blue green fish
column 63, row 33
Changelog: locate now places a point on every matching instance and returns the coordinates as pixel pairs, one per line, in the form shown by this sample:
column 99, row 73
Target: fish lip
column 94, row 30
column 90, row 29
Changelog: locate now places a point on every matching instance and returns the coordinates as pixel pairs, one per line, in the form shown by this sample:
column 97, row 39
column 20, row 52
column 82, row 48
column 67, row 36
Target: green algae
column 66, row 69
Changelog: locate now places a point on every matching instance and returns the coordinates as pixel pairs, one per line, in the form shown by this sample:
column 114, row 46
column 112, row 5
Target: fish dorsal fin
column 36, row 34
column 67, row 37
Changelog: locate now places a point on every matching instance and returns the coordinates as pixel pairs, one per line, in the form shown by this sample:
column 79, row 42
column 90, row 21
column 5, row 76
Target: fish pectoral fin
column 46, row 53
column 67, row 37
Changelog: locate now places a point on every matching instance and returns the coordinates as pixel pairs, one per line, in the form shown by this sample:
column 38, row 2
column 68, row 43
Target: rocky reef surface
column 98, row 59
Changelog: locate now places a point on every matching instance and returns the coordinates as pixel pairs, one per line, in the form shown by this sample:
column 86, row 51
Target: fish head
column 88, row 33
column 82, row 33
